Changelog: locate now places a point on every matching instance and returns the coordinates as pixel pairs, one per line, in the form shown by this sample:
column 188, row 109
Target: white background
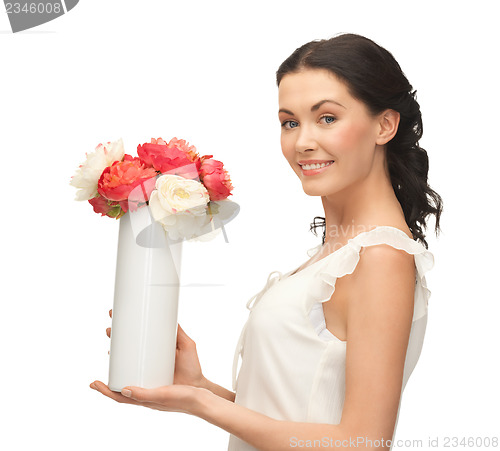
column 205, row 71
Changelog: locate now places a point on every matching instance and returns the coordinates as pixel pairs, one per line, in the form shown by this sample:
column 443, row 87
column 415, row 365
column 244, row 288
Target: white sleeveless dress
column 293, row 368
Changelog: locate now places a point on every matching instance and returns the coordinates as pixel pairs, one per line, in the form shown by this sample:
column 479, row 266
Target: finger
column 104, row 389
column 111, row 313
column 143, row 395
column 108, row 332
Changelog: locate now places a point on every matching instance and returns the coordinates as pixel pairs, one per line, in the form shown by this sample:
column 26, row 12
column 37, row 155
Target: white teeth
column 315, row 166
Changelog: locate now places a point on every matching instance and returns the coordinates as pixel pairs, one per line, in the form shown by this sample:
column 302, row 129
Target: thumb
column 182, row 338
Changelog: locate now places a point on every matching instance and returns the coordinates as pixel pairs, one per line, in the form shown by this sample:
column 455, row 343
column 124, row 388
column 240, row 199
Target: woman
column 329, row 347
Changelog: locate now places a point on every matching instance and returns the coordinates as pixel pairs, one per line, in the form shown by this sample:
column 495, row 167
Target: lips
column 314, row 171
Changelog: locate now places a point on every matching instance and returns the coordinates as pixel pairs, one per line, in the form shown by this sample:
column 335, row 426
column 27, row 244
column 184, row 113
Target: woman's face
column 322, row 123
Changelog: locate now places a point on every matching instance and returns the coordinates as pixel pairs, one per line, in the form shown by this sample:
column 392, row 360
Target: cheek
column 351, row 138
column 354, row 147
column 286, row 147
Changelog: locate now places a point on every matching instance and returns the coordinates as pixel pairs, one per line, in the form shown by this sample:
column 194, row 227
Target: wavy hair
column 374, row 77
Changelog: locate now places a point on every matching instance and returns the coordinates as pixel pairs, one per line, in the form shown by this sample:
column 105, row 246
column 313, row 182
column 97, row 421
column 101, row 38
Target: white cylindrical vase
column 145, row 306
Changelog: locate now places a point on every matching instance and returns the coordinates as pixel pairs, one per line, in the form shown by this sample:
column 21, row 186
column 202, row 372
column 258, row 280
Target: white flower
column 180, row 205
column 88, row 174
column 184, row 225
column 176, row 194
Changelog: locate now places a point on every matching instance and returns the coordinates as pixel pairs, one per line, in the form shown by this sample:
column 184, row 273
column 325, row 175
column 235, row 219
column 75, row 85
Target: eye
column 328, row 119
column 289, row 124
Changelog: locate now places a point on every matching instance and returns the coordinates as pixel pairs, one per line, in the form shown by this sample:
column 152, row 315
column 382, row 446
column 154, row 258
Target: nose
column 306, row 139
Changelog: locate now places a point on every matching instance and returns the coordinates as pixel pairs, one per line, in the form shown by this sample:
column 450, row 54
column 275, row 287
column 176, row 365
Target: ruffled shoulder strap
column 345, row 260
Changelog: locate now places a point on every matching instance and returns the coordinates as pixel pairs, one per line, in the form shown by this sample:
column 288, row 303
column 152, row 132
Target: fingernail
column 126, row 392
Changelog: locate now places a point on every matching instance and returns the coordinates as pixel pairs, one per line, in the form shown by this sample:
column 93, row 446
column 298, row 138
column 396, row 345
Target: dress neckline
column 295, row 272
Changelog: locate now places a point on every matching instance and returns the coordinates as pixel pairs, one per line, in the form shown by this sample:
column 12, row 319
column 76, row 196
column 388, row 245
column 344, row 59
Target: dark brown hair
column 374, row 77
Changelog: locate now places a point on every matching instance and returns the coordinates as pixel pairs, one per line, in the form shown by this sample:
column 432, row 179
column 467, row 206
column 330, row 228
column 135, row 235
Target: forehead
column 311, row 85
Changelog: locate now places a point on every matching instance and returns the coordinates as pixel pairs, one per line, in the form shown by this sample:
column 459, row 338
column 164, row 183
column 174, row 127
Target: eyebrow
column 314, row 107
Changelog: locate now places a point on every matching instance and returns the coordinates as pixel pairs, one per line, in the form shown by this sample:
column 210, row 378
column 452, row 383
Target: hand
column 170, row 398
column 179, row 397
column 187, row 365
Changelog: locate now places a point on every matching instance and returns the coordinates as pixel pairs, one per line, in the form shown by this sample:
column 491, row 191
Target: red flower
column 106, row 207
column 176, row 157
column 118, row 180
column 215, row 178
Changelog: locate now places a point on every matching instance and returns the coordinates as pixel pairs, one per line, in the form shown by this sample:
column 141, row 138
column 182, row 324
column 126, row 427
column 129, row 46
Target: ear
column 389, row 122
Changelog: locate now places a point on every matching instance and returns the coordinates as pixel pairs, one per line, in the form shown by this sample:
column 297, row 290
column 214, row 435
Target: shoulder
column 386, row 274
column 383, row 257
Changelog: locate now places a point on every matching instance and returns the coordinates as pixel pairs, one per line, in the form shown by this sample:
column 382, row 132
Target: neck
column 360, row 207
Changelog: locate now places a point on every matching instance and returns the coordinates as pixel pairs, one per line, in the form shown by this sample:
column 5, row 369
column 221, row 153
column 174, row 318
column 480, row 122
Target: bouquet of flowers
column 182, row 189
column 165, row 195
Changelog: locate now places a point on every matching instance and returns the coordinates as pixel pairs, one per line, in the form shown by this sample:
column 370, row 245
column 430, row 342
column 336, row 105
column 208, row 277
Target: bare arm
column 261, row 431
column 379, row 319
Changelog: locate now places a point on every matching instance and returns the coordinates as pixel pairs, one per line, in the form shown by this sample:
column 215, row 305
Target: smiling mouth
column 308, row 167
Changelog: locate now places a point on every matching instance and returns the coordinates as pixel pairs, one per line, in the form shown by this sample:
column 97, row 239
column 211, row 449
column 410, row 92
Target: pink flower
column 182, row 145
column 106, row 207
column 215, row 178
column 118, row 180
column 176, row 157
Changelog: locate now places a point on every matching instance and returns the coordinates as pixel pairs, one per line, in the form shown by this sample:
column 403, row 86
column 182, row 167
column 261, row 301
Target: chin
column 314, row 191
